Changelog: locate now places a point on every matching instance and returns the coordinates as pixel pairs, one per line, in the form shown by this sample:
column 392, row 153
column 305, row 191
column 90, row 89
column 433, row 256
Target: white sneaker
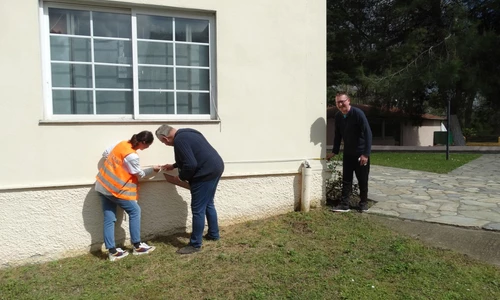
column 118, row 255
column 143, row 249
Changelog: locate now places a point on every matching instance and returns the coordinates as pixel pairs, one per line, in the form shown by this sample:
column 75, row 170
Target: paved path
column 468, row 196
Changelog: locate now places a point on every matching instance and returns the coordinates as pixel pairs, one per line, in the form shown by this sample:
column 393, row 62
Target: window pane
column 154, row 28
column 193, row 103
column 190, row 30
column 112, row 25
column 92, row 72
column 72, row 102
column 71, row 75
column 114, row 102
column 156, row 103
column 191, row 55
column 113, row 51
column 192, row 79
column 156, row 78
column 155, row 53
column 66, row 21
column 70, row 49
column 113, row 77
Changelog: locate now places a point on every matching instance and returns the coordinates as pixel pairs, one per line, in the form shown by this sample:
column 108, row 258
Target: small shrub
column 334, row 184
column 469, row 132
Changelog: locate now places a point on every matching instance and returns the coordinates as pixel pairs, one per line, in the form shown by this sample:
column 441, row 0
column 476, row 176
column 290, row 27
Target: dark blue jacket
column 355, row 131
column 196, row 159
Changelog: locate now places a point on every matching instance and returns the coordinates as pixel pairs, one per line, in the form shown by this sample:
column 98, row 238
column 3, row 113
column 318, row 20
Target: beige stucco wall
column 62, row 222
column 420, row 135
column 271, row 72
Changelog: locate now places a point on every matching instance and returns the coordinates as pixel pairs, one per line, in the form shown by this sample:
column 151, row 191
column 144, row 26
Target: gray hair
column 163, row 130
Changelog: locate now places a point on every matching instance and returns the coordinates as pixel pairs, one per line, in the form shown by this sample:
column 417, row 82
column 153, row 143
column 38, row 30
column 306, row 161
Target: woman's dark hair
column 145, row 137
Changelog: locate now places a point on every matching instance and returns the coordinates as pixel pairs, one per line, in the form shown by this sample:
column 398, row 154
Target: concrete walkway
column 468, row 196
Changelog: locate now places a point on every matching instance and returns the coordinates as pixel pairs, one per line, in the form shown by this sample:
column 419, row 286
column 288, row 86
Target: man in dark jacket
column 200, row 165
column 352, row 126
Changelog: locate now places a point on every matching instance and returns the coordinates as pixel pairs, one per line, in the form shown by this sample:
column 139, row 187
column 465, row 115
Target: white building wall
column 271, row 78
column 420, row 135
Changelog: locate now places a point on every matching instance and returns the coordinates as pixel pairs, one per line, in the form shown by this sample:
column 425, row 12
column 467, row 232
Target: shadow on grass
column 353, row 202
column 177, row 240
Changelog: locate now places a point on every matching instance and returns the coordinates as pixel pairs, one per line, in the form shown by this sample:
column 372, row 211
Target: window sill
column 113, row 122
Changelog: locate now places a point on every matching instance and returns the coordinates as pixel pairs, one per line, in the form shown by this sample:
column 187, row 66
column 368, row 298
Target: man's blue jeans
column 202, row 204
column 109, row 204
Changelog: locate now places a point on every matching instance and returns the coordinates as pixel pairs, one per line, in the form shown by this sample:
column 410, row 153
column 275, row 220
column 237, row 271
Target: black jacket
column 196, row 159
column 354, row 129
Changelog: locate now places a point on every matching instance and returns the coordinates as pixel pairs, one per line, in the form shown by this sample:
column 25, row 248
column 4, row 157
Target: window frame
column 135, row 116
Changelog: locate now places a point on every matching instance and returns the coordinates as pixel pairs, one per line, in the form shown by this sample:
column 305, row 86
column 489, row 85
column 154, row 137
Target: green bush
column 334, row 183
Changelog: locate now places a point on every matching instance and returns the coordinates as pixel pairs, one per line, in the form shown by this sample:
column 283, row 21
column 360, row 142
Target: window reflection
column 112, row 25
column 154, row 27
column 191, row 30
column 67, row 21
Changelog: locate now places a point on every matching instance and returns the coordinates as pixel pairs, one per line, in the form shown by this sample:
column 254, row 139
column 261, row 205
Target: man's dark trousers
column 351, row 165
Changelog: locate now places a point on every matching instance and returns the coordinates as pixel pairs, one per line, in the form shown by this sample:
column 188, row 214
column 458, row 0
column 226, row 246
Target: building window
column 127, row 64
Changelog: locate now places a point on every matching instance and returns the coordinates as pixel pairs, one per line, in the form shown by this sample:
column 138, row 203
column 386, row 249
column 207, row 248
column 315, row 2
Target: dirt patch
column 477, row 243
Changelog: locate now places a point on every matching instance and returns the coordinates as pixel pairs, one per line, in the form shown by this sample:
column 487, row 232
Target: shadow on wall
column 318, row 136
column 297, row 192
column 163, row 212
column 93, row 221
column 164, row 208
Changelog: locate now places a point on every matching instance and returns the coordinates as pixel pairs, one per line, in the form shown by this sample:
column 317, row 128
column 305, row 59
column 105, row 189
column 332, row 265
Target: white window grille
column 127, row 64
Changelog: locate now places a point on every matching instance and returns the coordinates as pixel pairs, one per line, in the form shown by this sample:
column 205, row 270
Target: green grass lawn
column 430, row 162
column 318, row 255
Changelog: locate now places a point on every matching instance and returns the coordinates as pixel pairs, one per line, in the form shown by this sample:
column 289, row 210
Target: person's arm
column 108, row 150
column 133, row 166
column 367, row 134
column 189, row 163
column 338, row 136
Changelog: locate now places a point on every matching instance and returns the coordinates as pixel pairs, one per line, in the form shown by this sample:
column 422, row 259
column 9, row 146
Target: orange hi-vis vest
column 113, row 175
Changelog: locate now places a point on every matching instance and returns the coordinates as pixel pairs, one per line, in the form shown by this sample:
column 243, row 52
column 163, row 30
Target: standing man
column 200, row 165
column 352, row 126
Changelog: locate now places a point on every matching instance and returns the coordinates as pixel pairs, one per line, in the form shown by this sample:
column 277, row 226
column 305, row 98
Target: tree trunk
column 456, row 131
column 468, row 111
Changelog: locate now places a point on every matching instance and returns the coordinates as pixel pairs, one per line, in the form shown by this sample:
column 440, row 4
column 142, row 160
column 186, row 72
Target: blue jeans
column 109, row 204
column 202, row 204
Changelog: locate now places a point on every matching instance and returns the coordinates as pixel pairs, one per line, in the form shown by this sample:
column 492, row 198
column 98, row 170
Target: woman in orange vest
column 117, row 185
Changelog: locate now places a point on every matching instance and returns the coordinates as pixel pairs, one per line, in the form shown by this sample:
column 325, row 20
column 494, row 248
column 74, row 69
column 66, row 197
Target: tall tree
column 416, row 54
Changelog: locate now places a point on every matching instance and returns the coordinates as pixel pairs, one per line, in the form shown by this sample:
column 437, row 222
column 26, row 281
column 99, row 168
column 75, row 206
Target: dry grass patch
column 319, row 255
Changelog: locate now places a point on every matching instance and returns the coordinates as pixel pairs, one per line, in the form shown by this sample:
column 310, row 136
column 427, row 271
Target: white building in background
column 80, row 75
column 393, row 128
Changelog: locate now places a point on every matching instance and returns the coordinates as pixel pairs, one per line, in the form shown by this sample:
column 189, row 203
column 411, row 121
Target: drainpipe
column 305, row 200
